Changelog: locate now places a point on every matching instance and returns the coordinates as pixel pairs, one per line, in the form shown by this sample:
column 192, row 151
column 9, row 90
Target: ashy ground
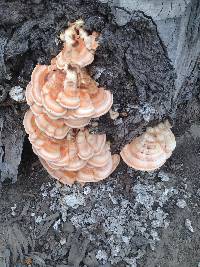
column 131, row 219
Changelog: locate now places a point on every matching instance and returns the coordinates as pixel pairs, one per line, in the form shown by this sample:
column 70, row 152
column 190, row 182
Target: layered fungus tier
column 63, row 98
column 69, row 97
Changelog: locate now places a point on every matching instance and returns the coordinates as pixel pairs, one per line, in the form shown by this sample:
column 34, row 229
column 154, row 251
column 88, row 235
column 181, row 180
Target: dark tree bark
column 149, row 74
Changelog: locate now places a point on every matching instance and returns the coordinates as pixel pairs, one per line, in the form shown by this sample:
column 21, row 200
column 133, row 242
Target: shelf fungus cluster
column 150, row 151
column 63, row 98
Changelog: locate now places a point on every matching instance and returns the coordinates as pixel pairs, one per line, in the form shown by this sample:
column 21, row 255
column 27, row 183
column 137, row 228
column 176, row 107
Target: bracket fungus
column 150, row 151
column 86, row 174
column 63, row 98
column 69, row 95
column 81, row 156
column 79, row 46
